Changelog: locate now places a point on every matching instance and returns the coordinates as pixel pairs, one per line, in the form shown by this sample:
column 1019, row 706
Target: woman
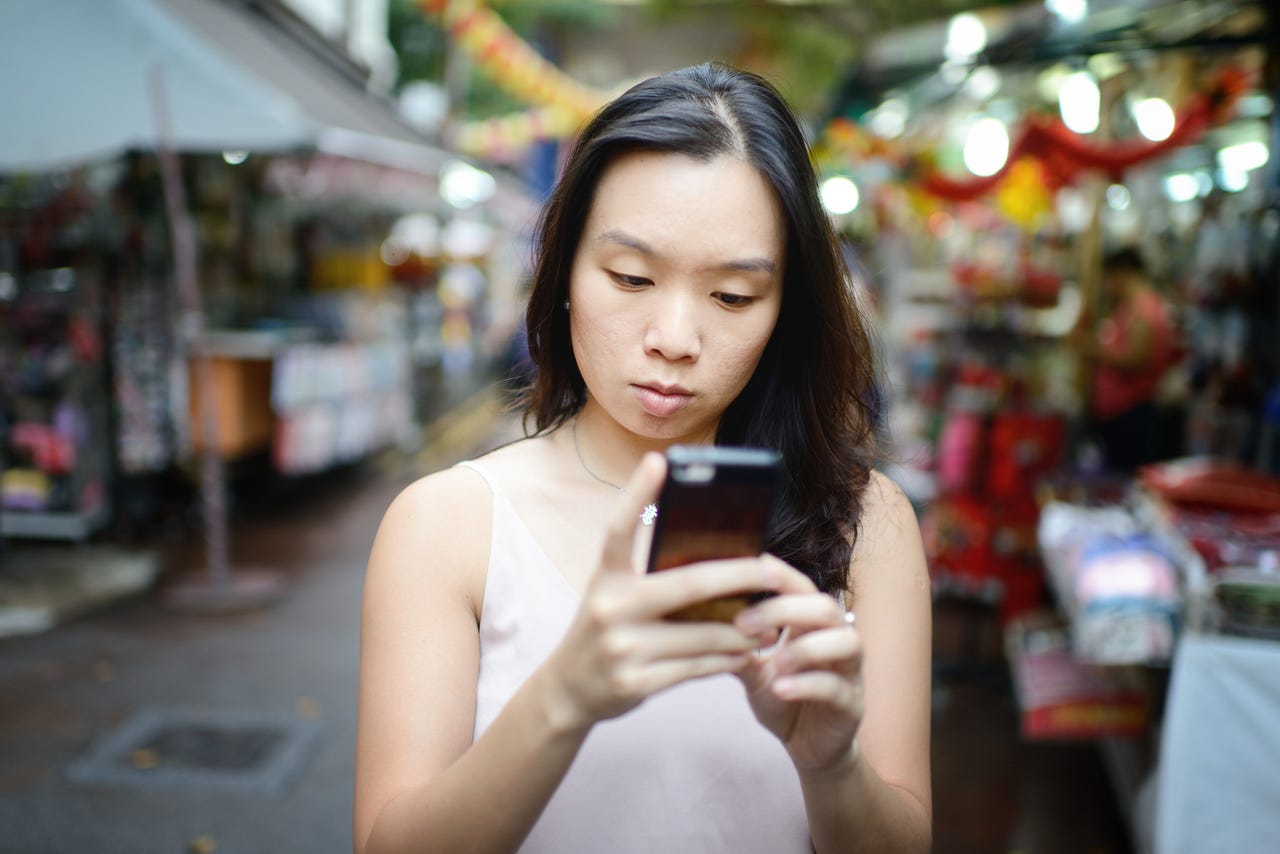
column 519, row 685
column 1132, row 349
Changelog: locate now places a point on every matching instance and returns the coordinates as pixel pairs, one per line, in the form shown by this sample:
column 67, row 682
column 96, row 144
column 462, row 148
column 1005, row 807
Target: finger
column 650, row 679
column 836, row 649
column 671, row 589
column 802, row 612
column 658, row 641
column 795, row 581
column 819, row 686
column 640, row 490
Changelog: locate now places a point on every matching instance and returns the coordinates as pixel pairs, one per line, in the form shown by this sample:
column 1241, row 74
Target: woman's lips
column 659, row 403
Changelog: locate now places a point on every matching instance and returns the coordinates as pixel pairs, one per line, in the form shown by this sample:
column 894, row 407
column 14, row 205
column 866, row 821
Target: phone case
column 716, row 502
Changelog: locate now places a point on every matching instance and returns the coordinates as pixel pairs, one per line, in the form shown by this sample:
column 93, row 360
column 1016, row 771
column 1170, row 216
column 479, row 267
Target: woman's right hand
column 619, row 650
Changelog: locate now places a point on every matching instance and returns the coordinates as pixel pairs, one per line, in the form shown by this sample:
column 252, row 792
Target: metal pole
column 219, row 591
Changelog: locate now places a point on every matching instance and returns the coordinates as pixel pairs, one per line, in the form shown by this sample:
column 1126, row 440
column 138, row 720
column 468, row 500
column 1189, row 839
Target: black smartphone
column 716, row 502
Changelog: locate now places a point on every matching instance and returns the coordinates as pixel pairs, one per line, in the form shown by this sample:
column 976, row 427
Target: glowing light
column 235, row 158
column 1243, row 156
column 1154, row 118
column 1231, row 181
column 889, row 119
column 983, row 83
column 1182, row 187
column 1070, row 11
column 463, row 185
column 986, row 148
column 1080, row 101
column 839, row 195
column 1118, row 197
column 966, row 36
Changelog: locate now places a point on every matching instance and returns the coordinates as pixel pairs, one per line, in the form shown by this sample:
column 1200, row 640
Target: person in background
column 1131, row 349
column 519, row 685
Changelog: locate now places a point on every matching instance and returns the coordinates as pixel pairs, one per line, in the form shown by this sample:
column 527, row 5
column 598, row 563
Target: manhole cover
column 205, row 746
column 256, row 751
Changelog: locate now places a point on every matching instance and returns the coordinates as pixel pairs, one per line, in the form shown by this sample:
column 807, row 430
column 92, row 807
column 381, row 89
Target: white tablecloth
column 1219, row 770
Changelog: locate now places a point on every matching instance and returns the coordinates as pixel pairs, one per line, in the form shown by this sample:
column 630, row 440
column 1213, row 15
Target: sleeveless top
column 688, row 770
column 1116, row 390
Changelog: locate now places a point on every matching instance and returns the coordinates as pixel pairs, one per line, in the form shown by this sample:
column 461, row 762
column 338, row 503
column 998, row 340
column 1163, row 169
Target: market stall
column 345, row 263
column 997, row 158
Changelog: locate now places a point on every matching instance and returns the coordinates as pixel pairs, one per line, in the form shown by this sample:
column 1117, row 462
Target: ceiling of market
column 825, row 54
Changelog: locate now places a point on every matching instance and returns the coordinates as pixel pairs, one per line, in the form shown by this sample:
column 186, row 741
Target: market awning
column 77, row 85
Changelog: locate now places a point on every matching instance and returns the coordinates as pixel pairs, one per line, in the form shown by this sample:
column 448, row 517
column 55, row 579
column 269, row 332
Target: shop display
column 55, row 463
column 335, row 404
column 1062, row 697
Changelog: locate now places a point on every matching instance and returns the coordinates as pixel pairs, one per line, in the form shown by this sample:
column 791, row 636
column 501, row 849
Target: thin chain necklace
column 650, row 512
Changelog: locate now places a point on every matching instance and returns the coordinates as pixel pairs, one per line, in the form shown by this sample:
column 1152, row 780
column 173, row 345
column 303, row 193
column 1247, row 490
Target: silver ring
column 849, row 618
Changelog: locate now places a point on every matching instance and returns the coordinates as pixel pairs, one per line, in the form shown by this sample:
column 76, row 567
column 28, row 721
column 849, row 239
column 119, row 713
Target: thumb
column 641, row 489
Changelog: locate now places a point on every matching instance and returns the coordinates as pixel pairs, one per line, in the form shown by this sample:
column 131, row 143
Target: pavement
column 130, row 728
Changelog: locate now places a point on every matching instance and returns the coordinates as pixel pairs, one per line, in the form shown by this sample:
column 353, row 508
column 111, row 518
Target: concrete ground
column 63, row 691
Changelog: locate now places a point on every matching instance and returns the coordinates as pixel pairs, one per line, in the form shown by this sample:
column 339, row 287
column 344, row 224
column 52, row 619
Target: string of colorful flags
column 559, row 104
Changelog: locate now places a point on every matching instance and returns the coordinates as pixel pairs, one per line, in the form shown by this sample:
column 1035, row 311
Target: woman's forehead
column 661, row 200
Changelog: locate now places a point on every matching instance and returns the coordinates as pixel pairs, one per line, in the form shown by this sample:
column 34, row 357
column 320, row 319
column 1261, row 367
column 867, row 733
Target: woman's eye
column 630, row 281
column 733, row 300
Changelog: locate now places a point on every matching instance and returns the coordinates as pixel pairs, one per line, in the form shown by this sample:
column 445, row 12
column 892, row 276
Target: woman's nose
column 673, row 330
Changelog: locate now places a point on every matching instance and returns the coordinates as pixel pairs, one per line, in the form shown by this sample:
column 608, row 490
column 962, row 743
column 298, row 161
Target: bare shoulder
column 888, row 540
column 441, row 524
column 433, row 540
column 886, row 510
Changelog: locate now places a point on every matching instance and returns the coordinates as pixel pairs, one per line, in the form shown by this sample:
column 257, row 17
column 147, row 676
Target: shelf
column 52, row 526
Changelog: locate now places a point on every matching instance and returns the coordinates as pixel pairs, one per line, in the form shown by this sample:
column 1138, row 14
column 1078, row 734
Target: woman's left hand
column 807, row 691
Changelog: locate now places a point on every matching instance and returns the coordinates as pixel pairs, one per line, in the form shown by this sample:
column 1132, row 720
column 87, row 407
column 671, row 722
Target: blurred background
column 263, row 262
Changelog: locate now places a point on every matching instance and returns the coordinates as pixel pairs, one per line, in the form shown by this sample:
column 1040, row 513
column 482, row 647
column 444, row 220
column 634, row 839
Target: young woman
column 519, row 686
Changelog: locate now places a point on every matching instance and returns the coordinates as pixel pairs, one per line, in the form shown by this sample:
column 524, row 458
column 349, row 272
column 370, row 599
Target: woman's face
column 675, row 290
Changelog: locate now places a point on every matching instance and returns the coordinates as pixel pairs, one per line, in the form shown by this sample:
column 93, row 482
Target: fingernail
column 784, row 687
column 749, row 623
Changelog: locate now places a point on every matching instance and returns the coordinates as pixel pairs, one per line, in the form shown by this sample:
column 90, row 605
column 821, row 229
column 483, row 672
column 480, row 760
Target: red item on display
column 1062, row 697
column 1213, row 484
column 1024, row 447
column 960, row 452
column 957, row 536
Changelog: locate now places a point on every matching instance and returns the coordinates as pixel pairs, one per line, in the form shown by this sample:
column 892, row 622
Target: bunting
column 559, row 104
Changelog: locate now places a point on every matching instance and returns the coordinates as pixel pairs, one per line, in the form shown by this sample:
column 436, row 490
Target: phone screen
column 716, row 503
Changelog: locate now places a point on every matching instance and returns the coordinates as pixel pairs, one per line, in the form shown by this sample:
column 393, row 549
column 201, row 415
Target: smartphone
column 716, row 502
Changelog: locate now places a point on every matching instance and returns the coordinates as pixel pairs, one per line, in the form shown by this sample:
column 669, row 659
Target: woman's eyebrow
column 742, row 265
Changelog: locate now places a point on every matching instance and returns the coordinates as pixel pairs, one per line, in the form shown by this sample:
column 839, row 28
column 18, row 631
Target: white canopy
column 75, row 84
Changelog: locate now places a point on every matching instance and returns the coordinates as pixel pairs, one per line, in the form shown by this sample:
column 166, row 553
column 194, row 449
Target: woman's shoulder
column 460, row 490
column 888, row 521
column 888, row 555
column 884, row 500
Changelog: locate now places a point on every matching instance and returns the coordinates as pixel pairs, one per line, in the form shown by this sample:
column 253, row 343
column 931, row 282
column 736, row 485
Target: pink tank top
column 689, row 770
column 1116, row 391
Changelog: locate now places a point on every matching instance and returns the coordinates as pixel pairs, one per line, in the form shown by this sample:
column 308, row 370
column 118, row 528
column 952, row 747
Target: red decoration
column 1067, row 154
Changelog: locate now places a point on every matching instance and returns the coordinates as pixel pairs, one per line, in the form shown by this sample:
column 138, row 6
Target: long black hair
column 813, row 394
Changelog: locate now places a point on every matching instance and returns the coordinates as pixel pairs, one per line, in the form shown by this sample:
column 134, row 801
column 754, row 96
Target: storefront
column 345, row 262
column 987, row 165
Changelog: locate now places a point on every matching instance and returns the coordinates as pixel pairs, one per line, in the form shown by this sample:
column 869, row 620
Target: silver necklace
column 650, row 512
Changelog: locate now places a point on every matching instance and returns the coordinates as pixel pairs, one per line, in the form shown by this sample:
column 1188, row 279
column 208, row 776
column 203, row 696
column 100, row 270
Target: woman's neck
column 607, row 450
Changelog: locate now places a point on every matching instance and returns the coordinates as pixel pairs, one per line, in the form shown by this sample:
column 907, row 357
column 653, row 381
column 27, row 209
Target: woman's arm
column 880, row 798
column 418, row 779
column 851, row 705
column 420, row 782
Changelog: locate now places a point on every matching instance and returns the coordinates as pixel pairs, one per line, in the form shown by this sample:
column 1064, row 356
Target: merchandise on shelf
column 336, row 403
column 1118, row 582
column 55, row 456
column 1063, row 697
